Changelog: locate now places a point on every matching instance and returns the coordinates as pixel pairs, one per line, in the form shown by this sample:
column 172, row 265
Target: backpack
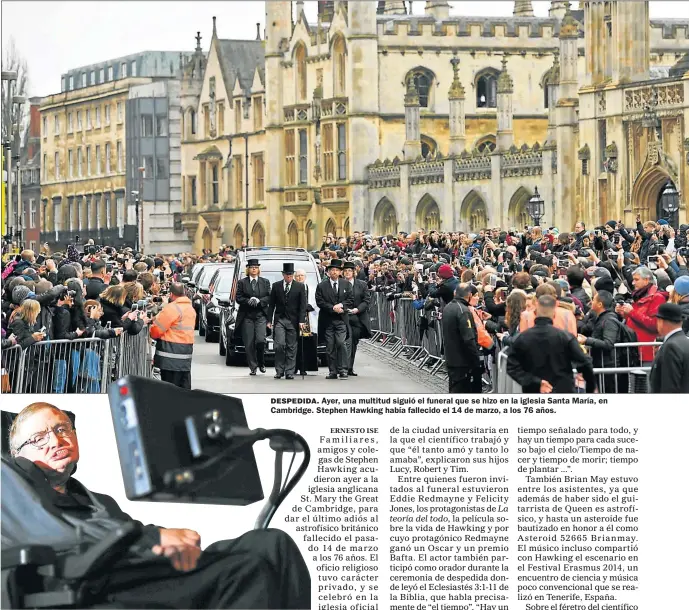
column 628, row 357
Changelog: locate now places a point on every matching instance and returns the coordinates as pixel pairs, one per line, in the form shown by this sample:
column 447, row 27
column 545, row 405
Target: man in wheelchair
column 159, row 567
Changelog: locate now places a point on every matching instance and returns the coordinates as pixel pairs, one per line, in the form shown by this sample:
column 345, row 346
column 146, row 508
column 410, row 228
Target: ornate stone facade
column 440, row 116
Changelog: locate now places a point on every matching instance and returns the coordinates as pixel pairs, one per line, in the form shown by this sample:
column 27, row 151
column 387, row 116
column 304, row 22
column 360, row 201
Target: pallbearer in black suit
column 670, row 372
column 253, row 294
column 359, row 321
column 334, row 297
column 286, row 316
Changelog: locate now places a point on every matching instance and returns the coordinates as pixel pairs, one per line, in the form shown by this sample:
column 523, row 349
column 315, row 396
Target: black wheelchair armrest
column 29, row 555
column 102, row 554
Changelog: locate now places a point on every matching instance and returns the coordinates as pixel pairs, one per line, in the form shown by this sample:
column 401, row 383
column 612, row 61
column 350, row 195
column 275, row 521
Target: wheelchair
column 48, row 561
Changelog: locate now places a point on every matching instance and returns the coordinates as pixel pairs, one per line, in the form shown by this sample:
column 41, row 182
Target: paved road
column 375, row 376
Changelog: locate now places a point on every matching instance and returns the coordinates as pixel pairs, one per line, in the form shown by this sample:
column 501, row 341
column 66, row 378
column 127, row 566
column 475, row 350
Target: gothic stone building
column 378, row 120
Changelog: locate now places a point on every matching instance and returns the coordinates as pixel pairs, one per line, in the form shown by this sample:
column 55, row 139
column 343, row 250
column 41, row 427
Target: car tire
column 221, row 347
column 202, row 329
column 232, row 358
column 211, row 337
column 197, row 322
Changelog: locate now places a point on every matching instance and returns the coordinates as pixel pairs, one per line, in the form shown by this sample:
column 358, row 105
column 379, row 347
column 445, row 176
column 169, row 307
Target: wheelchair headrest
column 6, row 418
column 26, row 517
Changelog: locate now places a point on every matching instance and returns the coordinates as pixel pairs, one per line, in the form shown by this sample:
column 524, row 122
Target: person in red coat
column 641, row 315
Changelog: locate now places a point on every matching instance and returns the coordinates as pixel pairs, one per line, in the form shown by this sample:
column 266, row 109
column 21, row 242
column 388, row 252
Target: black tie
column 287, row 287
column 334, row 287
column 253, row 286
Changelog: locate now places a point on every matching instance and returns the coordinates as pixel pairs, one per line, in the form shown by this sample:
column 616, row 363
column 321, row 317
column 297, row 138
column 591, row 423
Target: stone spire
column 457, row 116
column 215, row 31
column 505, row 90
column 456, row 91
column 326, row 10
column 439, row 9
column 523, row 8
column 412, row 145
column 551, row 84
column 394, row 7
column 569, row 54
column 505, row 84
column 558, row 8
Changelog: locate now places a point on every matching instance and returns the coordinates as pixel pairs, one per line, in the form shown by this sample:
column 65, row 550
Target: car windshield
column 223, row 282
column 206, row 276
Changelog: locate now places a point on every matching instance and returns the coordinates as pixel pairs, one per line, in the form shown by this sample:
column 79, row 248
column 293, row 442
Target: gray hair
column 645, row 274
column 300, row 272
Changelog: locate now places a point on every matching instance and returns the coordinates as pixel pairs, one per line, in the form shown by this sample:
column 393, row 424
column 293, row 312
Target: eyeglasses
column 40, row 439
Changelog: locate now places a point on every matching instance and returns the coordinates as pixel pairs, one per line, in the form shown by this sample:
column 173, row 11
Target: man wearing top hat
column 286, row 316
column 253, row 295
column 334, row 298
column 670, row 372
column 359, row 321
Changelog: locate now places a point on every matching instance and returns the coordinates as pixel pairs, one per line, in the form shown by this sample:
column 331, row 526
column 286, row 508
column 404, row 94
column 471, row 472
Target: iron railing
column 416, row 335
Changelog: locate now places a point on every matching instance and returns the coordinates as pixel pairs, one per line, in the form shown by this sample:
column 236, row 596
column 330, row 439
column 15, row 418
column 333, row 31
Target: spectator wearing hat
column 680, row 296
column 253, row 298
column 670, row 371
column 359, row 321
column 334, row 298
column 445, row 286
column 286, row 317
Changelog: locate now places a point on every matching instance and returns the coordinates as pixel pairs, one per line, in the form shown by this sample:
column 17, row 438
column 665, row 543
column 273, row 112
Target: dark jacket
column 445, row 290
column 94, row 287
column 460, row 336
column 326, row 299
column 245, row 293
column 670, row 372
column 293, row 307
column 21, row 329
column 113, row 313
column 95, row 330
column 604, row 333
column 362, row 301
column 544, row 352
column 63, row 322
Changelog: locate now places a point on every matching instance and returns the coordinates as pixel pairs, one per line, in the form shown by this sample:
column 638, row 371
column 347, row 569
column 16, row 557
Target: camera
column 71, row 293
column 683, row 252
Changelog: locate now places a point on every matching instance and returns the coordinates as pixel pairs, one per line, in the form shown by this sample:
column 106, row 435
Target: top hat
column 349, row 265
column 670, row 312
column 253, row 262
column 335, row 263
column 288, row 268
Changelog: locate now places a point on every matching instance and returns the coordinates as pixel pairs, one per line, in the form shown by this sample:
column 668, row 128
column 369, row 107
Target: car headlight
column 213, row 309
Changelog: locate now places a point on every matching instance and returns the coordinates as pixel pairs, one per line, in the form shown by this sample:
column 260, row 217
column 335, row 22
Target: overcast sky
column 57, row 36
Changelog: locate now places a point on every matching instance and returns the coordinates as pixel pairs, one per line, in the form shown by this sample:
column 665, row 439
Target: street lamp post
column 669, row 201
column 10, row 77
column 536, row 207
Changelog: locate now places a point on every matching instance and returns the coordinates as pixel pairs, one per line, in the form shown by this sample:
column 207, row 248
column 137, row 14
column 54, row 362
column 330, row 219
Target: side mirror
column 185, row 280
column 191, row 284
column 204, row 291
column 223, row 303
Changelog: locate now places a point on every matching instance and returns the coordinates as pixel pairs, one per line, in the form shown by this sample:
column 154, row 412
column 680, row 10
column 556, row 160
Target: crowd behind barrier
column 416, row 335
column 80, row 366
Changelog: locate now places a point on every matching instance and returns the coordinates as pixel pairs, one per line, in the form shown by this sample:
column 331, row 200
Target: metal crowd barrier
column 409, row 332
column 614, row 380
column 399, row 327
column 81, row 366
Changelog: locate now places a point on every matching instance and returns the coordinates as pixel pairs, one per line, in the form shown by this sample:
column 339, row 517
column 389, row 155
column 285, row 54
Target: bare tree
column 13, row 60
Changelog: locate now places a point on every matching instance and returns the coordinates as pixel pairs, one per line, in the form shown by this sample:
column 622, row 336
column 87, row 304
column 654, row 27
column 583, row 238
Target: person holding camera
column 173, row 330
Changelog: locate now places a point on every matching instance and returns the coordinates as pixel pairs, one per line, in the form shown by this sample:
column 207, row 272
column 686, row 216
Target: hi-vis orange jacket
column 173, row 329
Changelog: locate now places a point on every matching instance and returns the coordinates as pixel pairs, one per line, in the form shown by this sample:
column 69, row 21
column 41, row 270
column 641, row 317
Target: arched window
column 428, row 146
column 486, row 144
column 330, row 228
column 428, row 214
column 258, row 235
column 339, row 66
column 486, row 84
column 385, row 218
column 423, row 81
column 292, row 235
column 192, row 121
column 300, row 65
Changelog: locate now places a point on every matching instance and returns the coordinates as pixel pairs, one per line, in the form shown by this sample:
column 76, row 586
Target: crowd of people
column 82, row 294
column 597, row 287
